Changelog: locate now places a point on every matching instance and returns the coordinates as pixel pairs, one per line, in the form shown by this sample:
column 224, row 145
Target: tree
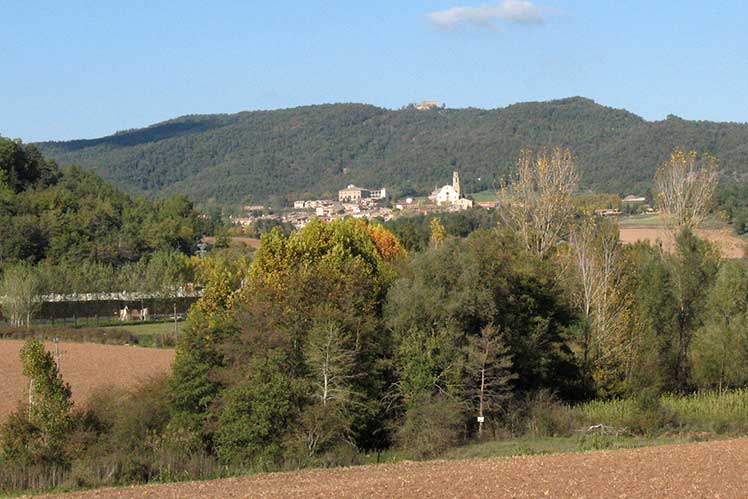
column 695, row 267
column 48, row 420
column 331, row 360
column 168, row 272
column 686, row 185
column 19, row 290
column 487, row 278
column 594, row 253
column 438, row 232
column 719, row 353
column 489, row 364
column 258, row 413
column 537, row 203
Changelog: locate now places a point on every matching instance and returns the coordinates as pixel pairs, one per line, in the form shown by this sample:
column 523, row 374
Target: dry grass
column 709, row 469
column 730, row 245
column 85, row 366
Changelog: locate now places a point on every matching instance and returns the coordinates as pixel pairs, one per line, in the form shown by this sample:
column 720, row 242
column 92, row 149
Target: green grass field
column 528, row 446
column 642, row 220
column 484, row 196
column 149, row 332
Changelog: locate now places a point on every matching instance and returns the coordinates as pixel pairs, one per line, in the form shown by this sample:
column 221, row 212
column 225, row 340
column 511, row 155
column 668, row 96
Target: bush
column 431, row 427
column 548, row 417
column 649, row 415
column 85, row 335
column 256, row 417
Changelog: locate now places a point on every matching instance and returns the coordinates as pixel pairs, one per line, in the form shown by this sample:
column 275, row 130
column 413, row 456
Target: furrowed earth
column 717, row 469
column 85, row 366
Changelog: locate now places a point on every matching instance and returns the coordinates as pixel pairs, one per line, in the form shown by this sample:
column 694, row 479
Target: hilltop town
column 360, row 202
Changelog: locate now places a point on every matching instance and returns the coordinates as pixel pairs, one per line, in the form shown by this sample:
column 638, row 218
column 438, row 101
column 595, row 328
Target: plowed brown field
column 85, row 366
column 729, row 245
column 709, row 469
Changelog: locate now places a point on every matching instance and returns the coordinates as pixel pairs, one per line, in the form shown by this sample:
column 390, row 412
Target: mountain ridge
column 316, row 149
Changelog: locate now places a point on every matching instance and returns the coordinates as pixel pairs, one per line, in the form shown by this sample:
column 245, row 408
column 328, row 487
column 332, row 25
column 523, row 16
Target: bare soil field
column 708, row 469
column 730, row 245
column 85, row 366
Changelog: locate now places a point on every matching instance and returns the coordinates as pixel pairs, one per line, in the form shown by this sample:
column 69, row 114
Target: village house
column 356, row 194
column 634, row 199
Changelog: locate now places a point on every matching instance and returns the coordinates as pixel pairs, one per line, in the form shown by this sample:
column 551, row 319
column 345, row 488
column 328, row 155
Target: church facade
column 451, row 195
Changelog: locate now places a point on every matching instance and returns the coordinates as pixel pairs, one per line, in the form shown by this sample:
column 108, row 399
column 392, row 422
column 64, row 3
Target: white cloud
column 486, row 16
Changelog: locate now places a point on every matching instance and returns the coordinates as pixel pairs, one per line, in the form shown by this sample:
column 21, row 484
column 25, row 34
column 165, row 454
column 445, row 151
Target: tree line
column 338, row 340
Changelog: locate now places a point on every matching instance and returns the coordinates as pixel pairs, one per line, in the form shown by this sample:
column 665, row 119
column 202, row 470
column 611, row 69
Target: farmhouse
column 634, row 199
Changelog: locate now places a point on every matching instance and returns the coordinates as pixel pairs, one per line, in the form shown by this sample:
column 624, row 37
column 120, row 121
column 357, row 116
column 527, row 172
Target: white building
column 355, row 194
column 451, row 195
column 447, row 195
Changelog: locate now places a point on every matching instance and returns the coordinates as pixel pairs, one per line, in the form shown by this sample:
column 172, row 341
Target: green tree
column 20, row 287
column 695, row 267
column 39, row 436
column 257, row 414
column 719, row 353
column 168, row 272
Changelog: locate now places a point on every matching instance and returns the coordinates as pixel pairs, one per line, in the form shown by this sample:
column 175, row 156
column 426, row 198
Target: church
column 451, row 195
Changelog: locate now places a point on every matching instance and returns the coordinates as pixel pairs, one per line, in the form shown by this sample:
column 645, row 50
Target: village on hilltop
column 360, row 202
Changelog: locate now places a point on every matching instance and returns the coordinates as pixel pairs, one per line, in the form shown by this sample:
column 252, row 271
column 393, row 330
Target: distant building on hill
column 428, row 104
column 352, row 194
column 634, row 199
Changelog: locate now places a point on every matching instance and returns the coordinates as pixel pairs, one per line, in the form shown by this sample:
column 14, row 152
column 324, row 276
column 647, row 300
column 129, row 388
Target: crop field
column 85, row 366
column 706, row 469
column 730, row 245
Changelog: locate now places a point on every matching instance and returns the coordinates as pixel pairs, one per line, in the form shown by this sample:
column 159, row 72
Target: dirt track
column 709, row 469
column 85, row 366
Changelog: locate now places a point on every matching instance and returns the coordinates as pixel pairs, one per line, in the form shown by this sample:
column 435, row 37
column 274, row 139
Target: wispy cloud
column 487, row 15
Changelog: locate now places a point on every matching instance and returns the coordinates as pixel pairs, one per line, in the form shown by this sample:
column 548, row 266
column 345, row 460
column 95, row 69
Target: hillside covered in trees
column 72, row 216
column 315, row 150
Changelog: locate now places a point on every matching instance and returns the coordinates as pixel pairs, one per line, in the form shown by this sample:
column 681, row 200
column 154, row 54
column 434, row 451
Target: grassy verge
column 530, row 446
column 144, row 334
column 150, row 334
column 484, row 196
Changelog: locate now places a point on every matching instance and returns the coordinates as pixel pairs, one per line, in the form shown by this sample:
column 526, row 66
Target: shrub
column 547, row 416
column 87, row 335
column 431, row 426
column 256, row 417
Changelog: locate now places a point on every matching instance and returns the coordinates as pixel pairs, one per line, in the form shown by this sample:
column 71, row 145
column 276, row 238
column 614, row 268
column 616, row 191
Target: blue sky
column 83, row 69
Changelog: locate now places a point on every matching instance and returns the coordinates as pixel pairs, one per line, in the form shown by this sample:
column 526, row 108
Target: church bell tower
column 456, row 183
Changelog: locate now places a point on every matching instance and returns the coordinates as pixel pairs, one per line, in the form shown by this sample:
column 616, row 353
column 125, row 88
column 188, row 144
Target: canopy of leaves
column 74, row 216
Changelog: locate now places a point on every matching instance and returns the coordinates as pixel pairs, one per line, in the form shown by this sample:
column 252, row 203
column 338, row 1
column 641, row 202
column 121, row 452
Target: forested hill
column 319, row 149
